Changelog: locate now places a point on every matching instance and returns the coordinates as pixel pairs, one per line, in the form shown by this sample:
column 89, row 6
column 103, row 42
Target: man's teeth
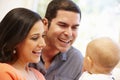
column 65, row 41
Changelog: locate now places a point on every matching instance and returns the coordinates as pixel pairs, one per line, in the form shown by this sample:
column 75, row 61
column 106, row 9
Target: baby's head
column 102, row 55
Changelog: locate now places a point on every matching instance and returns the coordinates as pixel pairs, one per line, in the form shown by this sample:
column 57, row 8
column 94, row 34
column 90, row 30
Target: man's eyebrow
column 77, row 25
column 60, row 22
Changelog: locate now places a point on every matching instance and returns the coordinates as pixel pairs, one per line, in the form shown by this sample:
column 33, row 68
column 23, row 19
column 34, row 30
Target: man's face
column 63, row 29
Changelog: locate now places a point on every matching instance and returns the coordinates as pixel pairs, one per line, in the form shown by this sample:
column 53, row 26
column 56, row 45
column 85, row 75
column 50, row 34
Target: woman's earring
column 14, row 51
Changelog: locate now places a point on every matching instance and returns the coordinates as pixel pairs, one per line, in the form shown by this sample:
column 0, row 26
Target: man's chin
column 64, row 49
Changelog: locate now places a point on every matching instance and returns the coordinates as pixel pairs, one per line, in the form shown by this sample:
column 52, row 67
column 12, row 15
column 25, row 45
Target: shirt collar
column 63, row 56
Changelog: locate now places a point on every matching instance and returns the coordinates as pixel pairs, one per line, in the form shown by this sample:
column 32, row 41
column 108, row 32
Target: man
column 59, row 60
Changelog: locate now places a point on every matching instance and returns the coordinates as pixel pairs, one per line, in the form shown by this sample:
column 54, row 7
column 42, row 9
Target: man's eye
column 75, row 27
column 62, row 25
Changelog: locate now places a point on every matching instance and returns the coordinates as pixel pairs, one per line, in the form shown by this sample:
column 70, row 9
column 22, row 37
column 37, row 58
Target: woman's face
column 30, row 49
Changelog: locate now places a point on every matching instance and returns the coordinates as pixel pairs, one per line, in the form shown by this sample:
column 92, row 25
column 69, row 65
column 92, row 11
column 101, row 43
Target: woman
column 21, row 42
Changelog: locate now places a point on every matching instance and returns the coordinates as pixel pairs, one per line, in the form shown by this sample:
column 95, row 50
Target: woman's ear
column 45, row 22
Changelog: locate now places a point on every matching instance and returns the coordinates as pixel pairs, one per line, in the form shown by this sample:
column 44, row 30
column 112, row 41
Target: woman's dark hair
column 55, row 5
column 14, row 28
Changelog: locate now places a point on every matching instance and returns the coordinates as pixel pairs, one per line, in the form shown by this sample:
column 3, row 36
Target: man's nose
column 68, row 32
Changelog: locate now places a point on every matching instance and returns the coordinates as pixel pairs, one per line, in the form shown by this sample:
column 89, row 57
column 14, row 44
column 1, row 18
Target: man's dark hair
column 55, row 5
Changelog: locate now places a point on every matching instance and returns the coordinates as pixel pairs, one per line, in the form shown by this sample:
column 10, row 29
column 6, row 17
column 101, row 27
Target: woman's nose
column 42, row 43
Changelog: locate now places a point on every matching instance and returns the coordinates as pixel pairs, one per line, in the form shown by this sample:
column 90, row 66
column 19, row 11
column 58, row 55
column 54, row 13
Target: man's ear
column 45, row 22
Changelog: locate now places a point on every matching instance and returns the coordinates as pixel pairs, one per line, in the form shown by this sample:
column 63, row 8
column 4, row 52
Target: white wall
column 7, row 5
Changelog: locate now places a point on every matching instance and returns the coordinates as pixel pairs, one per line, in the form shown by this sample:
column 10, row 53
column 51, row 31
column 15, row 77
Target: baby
column 102, row 55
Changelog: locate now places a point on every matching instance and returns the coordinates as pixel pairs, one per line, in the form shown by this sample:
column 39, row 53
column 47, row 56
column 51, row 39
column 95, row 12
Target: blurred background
column 99, row 17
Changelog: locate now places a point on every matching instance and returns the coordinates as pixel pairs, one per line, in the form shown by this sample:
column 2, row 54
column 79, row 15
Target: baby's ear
column 90, row 62
column 87, row 63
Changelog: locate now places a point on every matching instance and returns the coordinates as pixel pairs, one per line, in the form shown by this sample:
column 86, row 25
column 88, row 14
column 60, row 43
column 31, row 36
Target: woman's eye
column 34, row 38
column 44, row 34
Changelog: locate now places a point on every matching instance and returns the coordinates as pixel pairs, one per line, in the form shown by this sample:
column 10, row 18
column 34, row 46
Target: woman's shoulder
column 6, row 67
column 7, row 72
column 37, row 73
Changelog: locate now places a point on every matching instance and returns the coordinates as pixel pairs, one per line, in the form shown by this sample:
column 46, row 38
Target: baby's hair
column 104, row 51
